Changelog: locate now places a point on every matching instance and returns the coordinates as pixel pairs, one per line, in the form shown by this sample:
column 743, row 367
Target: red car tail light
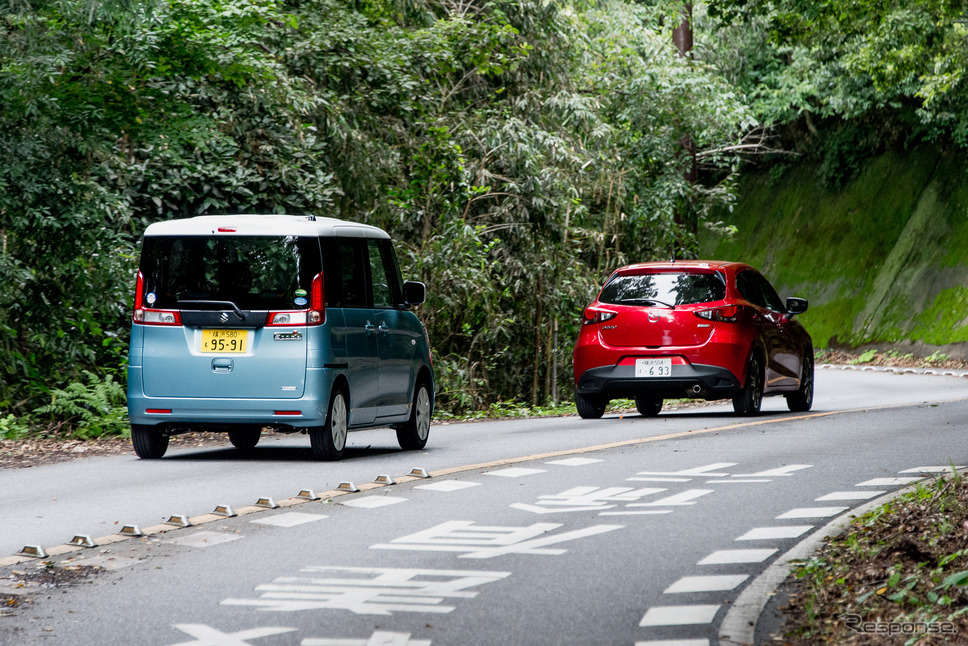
column 147, row 316
column 725, row 314
column 315, row 315
column 593, row 316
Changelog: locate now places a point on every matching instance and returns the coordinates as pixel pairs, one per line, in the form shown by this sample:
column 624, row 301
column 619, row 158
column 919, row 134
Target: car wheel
column 802, row 400
column 329, row 440
column 648, row 406
column 590, row 407
column 412, row 434
column 748, row 401
column 245, row 438
column 148, row 441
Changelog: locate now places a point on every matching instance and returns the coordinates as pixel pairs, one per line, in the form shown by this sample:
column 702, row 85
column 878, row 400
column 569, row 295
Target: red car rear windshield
column 667, row 288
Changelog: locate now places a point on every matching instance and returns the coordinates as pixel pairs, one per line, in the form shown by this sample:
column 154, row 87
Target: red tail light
column 725, row 314
column 593, row 316
column 315, row 315
column 146, row 316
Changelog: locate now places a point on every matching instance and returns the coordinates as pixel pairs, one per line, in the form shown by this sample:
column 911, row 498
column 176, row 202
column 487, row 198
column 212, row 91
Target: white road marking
column 888, row 482
column 372, row 502
column 208, row 636
column 483, row 542
column 938, row 469
column 368, row 591
column 679, row 615
column 289, row 519
column 812, row 512
column 706, row 471
column 646, row 512
column 648, row 479
column 709, row 482
column 717, row 583
column 849, row 495
column 779, row 472
column 683, row 498
column 448, row 485
column 575, row 462
column 205, row 539
column 773, row 533
column 584, row 499
column 514, row 472
column 379, row 638
column 726, row 557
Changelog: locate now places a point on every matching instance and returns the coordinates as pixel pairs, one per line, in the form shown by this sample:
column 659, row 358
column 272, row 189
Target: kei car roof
column 263, row 225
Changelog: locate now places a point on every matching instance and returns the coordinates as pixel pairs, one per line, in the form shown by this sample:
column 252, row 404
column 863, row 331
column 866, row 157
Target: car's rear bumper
column 212, row 412
column 690, row 380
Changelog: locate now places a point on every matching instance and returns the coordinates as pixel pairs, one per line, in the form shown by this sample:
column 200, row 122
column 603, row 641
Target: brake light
column 147, row 316
column 593, row 316
column 313, row 316
column 725, row 314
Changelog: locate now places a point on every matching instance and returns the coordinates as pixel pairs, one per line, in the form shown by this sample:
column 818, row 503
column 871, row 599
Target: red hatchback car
column 697, row 329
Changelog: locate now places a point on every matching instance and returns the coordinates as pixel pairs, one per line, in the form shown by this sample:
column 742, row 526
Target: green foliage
column 13, row 428
column 90, row 409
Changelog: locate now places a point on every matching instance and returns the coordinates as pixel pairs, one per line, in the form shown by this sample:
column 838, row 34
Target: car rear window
column 253, row 272
column 667, row 288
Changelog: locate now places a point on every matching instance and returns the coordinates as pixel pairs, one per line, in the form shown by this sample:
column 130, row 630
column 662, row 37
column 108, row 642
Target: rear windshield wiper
column 235, row 308
column 645, row 301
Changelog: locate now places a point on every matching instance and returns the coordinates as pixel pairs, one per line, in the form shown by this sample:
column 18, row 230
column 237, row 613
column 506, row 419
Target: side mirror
column 414, row 293
column 796, row 305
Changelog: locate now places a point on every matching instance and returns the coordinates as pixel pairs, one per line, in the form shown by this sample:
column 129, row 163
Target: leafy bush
column 90, row 409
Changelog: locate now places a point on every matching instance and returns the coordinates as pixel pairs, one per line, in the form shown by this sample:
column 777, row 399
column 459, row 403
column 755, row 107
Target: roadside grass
column 898, row 575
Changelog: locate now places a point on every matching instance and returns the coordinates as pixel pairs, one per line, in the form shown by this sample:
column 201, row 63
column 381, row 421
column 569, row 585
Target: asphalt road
column 556, row 531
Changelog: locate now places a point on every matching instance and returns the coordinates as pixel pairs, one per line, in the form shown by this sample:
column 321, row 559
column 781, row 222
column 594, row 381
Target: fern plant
column 92, row 409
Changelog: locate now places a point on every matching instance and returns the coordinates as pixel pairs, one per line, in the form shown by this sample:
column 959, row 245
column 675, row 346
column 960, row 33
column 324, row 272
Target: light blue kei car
column 245, row 322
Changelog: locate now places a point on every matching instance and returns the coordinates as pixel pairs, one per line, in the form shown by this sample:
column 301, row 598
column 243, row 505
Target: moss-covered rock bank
column 883, row 259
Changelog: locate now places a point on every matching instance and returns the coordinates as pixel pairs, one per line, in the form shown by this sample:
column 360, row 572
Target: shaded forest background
column 518, row 151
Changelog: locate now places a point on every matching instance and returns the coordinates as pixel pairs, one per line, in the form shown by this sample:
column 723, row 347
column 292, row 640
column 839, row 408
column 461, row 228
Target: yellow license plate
column 224, row 340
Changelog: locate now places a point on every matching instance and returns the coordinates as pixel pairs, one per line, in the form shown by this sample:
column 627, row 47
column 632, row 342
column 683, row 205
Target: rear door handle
column 370, row 328
column 383, row 327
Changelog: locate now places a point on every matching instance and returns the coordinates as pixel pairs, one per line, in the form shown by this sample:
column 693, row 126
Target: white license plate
column 651, row 368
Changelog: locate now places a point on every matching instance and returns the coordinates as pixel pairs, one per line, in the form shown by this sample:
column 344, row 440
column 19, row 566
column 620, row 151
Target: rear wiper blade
column 235, row 308
column 645, row 301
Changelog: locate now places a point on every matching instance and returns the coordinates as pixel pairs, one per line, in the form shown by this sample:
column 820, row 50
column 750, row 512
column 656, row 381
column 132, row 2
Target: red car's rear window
column 666, row 288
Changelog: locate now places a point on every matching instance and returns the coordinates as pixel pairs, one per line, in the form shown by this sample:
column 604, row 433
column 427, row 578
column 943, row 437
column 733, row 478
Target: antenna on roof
column 311, row 218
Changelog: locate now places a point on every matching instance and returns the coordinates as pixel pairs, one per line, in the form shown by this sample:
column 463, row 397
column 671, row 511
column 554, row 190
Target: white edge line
column 738, row 627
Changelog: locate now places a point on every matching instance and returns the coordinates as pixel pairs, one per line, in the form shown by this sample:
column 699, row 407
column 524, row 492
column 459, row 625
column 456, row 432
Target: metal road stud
column 179, row 520
column 348, row 486
column 131, row 530
column 266, row 502
column 307, row 494
column 385, row 479
column 224, row 510
column 420, row 473
column 83, row 540
column 33, row 551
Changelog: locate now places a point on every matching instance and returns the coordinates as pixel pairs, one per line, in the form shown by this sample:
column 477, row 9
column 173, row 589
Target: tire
column 245, row 438
column 590, row 407
column 749, row 400
column 148, row 441
column 412, row 434
column 648, row 406
column 329, row 440
column 802, row 400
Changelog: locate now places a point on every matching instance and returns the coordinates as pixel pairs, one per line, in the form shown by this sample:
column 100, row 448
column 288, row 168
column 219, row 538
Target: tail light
column 725, row 314
column 593, row 316
column 147, row 316
column 315, row 315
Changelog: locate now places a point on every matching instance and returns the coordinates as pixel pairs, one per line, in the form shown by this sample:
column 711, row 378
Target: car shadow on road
column 271, row 454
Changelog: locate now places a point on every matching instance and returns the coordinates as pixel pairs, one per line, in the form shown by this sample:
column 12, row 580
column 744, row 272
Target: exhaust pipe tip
column 697, row 389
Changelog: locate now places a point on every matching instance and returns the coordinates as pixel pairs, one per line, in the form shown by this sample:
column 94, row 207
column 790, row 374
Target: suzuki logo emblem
column 653, row 317
column 224, row 317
